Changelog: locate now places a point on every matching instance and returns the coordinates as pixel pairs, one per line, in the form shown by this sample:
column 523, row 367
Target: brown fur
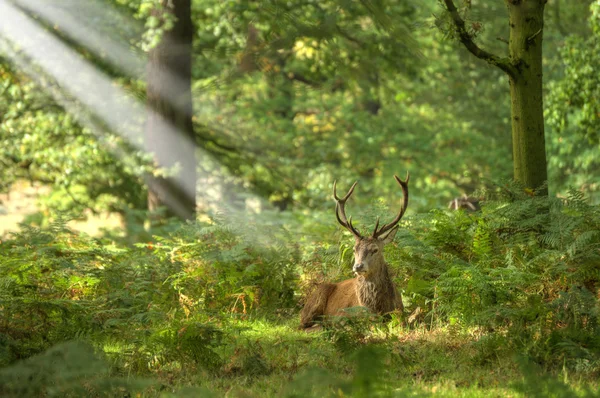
column 373, row 290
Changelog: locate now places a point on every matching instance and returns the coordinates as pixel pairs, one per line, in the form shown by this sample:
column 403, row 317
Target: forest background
column 288, row 97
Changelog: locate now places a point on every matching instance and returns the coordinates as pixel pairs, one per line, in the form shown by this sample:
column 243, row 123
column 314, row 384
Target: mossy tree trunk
column 523, row 65
column 169, row 131
column 526, row 19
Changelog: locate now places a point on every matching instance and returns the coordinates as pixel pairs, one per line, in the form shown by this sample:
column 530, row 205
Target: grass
column 259, row 357
column 273, row 359
column 264, row 356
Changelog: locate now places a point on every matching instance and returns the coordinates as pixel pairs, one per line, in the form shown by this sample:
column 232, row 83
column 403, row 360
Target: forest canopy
column 282, row 109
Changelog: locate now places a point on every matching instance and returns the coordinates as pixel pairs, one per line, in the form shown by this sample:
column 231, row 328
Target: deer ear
column 390, row 235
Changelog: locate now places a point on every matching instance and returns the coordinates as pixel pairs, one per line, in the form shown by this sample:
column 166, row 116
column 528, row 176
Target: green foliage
column 185, row 342
column 519, row 276
column 157, row 19
column 226, row 267
column 527, row 268
column 348, row 331
column 536, row 383
column 65, row 370
column 574, row 113
column 43, row 143
column 337, row 90
column 159, row 297
column 367, row 378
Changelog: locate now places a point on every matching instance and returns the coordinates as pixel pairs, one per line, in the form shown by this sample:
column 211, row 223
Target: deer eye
column 374, row 250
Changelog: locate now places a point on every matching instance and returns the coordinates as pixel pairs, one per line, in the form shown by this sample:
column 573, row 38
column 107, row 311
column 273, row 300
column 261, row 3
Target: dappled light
column 202, row 198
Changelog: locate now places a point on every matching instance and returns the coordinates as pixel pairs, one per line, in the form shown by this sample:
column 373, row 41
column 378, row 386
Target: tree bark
column 169, row 131
column 524, row 69
column 526, row 19
column 248, row 59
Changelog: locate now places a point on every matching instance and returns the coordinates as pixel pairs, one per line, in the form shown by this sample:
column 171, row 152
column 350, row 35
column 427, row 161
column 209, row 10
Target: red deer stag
column 372, row 287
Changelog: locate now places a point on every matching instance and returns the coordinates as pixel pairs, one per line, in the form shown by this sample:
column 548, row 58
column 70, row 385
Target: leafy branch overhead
column 289, row 96
column 467, row 37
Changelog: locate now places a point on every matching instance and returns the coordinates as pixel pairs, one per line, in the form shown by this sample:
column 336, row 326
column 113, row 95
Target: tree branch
column 362, row 45
column 303, row 79
column 467, row 40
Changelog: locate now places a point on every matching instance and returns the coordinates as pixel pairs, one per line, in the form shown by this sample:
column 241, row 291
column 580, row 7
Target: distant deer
column 372, row 287
column 465, row 202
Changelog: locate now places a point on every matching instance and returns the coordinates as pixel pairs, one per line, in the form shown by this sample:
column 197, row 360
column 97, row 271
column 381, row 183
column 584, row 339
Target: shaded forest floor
column 261, row 358
column 273, row 359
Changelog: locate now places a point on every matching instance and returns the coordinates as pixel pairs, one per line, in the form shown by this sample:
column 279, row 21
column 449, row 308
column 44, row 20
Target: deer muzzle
column 359, row 268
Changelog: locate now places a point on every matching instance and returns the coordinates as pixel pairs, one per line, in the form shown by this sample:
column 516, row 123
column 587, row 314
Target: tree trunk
column 248, row 59
column 524, row 69
column 169, row 132
column 527, row 114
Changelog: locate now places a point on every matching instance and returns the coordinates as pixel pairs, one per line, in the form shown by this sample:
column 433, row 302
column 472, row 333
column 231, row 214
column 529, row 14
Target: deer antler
column 340, row 212
column 386, row 227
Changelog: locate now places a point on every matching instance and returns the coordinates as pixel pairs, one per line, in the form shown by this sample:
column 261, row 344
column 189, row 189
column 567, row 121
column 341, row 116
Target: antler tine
column 337, row 215
column 345, row 198
column 340, row 211
column 386, row 227
column 376, row 226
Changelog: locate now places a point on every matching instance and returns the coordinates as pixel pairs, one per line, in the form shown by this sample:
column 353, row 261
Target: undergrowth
column 211, row 308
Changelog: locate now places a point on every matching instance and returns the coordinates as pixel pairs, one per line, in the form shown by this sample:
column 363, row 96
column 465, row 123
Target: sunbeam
column 66, row 16
column 39, row 51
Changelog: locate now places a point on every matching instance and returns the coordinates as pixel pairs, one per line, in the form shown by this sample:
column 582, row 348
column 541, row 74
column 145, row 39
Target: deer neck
column 376, row 290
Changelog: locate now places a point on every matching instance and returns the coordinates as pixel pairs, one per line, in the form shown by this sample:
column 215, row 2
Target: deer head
column 368, row 251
